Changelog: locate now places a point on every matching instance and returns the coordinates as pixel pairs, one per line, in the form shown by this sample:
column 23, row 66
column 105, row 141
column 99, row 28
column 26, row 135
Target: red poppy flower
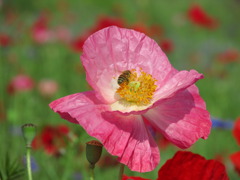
column 5, row 40
column 52, row 139
column 235, row 158
column 228, row 56
column 197, row 15
column 236, row 130
column 187, row 165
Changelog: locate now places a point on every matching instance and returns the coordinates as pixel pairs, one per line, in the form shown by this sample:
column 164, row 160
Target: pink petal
column 112, row 50
column 182, row 119
column 176, row 82
column 123, row 136
column 132, row 178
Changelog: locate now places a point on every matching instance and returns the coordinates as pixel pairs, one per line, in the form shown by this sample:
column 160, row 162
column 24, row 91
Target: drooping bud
column 93, row 152
column 29, row 132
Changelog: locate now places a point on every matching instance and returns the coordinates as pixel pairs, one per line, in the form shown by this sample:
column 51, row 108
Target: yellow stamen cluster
column 139, row 89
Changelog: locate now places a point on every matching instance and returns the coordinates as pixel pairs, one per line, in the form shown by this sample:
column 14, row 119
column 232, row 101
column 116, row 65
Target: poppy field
column 130, row 90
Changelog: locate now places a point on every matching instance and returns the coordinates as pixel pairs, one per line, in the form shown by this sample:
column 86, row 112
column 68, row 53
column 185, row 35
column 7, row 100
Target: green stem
column 91, row 173
column 121, row 170
column 29, row 163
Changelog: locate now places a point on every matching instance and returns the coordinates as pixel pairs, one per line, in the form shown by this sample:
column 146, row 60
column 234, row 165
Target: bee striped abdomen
column 124, row 77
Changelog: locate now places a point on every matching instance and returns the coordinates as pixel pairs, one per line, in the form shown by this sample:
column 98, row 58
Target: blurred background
column 40, row 47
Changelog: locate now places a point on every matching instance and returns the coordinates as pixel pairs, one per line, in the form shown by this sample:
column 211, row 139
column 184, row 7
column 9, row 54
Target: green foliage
column 11, row 169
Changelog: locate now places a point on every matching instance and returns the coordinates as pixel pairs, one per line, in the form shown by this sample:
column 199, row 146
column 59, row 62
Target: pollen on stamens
column 139, row 90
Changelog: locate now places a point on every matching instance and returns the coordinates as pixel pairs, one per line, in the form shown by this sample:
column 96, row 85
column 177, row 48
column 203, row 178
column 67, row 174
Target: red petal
column 235, row 158
column 63, row 129
column 236, row 130
column 186, row 165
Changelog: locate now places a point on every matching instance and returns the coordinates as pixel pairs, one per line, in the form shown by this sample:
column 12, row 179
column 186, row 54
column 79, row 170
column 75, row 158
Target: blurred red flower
column 105, row 21
column 53, row 139
column 187, row 165
column 5, row 40
column 108, row 161
column 235, row 158
column 40, row 30
column 47, row 87
column 141, row 28
column 166, row 45
column 197, row 15
column 156, row 30
column 20, row 83
column 228, row 56
column 78, row 43
column 236, row 130
column 102, row 22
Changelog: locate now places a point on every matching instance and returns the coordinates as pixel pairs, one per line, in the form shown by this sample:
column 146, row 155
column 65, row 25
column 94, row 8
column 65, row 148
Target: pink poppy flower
column 47, row 87
column 187, row 165
column 151, row 92
column 133, row 178
column 40, row 30
column 20, row 83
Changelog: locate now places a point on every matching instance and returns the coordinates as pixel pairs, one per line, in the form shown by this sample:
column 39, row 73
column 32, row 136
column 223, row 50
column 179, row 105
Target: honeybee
column 124, row 77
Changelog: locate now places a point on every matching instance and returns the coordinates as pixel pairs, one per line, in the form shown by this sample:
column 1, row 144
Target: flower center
column 136, row 88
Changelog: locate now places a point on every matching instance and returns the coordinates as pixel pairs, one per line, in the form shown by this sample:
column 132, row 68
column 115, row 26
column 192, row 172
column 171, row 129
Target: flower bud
column 93, row 152
column 29, row 132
